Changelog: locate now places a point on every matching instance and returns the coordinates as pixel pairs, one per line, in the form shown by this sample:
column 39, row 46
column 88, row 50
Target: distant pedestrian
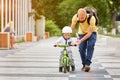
column 10, row 28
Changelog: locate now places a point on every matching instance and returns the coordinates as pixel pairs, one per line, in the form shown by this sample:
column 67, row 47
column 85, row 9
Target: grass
column 20, row 41
column 100, row 31
column 115, row 36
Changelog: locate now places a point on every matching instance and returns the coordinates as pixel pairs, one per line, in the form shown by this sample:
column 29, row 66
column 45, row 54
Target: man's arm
column 73, row 26
column 90, row 30
column 74, row 21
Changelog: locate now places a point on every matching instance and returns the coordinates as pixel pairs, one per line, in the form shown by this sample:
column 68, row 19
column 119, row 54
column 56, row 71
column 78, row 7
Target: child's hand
column 73, row 44
column 57, row 44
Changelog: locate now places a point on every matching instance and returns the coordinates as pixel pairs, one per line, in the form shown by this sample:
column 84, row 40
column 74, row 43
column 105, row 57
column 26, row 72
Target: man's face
column 66, row 35
column 82, row 15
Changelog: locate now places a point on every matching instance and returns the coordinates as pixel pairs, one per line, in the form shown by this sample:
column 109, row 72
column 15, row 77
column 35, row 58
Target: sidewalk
column 20, row 46
column 40, row 60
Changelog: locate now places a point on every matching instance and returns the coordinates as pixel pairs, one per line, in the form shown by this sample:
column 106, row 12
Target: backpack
column 91, row 12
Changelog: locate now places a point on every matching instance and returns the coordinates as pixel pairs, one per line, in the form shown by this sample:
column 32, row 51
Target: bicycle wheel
column 68, row 68
column 65, row 69
column 65, row 66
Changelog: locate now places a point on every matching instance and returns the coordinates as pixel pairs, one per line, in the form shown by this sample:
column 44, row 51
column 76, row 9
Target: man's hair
column 91, row 12
column 82, row 15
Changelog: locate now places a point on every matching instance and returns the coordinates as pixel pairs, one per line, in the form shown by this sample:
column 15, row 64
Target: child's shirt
column 61, row 40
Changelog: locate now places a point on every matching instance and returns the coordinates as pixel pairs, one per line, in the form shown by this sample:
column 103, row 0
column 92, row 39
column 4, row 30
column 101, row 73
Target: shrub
column 52, row 28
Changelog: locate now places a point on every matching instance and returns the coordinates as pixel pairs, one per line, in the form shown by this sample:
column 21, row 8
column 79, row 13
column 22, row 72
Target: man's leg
column 90, row 50
column 82, row 50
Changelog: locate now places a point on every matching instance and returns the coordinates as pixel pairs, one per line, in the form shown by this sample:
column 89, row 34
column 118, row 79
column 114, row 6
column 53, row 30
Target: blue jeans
column 86, row 48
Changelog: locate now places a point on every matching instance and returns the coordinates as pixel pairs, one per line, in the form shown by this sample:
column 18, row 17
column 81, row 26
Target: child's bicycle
column 65, row 59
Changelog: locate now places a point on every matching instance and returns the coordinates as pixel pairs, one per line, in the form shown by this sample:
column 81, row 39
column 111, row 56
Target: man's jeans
column 86, row 48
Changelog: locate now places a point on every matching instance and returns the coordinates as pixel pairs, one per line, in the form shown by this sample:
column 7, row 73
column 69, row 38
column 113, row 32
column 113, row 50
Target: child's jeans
column 70, row 57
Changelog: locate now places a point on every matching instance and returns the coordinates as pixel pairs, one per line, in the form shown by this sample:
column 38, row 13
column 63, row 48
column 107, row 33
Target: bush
column 52, row 28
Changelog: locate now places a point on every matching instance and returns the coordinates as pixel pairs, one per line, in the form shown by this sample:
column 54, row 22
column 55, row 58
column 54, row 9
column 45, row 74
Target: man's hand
column 79, row 42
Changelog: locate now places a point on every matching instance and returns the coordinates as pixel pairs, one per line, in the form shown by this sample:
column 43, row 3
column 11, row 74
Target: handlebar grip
column 64, row 45
column 75, row 45
column 55, row 45
column 69, row 43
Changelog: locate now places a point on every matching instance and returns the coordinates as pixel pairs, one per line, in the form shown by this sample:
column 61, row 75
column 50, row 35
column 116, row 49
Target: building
column 18, row 11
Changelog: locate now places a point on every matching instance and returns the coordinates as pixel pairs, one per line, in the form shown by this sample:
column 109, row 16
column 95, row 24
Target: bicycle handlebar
column 64, row 45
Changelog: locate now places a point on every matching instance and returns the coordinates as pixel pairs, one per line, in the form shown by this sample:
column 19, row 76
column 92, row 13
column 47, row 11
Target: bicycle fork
column 65, row 59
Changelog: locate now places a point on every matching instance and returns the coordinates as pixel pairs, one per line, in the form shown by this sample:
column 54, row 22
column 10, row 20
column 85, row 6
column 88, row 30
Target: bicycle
column 65, row 59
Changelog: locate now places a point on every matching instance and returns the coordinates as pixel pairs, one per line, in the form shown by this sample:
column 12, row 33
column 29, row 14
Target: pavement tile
column 90, row 78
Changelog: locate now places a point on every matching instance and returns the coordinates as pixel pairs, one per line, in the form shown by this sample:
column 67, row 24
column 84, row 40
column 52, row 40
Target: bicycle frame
column 65, row 59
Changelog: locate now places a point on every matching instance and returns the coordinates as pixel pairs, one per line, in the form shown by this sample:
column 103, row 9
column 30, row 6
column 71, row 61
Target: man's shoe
column 87, row 68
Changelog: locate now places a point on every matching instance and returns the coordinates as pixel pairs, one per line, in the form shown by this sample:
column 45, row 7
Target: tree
column 61, row 11
column 102, row 11
column 48, row 8
column 69, row 8
column 37, row 5
column 52, row 28
column 113, row 6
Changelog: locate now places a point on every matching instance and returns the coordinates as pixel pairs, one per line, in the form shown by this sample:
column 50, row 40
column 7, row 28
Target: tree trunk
column 113, row 18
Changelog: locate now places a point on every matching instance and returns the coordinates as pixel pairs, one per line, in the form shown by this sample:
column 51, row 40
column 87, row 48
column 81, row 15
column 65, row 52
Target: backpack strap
column 96, row 18
column 77, row 20
column 88, row 19
column 92, row 13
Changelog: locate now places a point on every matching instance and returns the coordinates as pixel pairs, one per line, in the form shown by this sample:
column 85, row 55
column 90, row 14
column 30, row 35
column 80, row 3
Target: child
column 66, row 39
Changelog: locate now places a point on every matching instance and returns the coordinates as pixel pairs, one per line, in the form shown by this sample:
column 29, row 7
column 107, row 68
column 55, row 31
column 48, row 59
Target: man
column 87, row 36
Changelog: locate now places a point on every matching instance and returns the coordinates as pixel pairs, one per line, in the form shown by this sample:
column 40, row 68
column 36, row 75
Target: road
column 40, row 61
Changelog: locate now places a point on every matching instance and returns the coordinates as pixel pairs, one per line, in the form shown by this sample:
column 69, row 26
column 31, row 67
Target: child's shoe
column 60, row 69
column 73, row 67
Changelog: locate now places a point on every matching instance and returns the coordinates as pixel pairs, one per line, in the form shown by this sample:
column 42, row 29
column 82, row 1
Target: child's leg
column 61, row 55
column 71, row 58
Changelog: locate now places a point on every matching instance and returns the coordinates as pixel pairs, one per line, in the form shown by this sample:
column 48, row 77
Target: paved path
column 39, row 61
